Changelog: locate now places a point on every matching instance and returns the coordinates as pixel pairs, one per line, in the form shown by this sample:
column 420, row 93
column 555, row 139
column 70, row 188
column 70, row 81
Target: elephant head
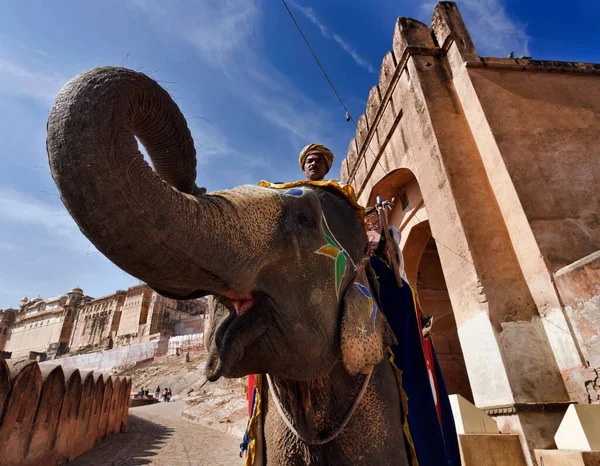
column 289, row 266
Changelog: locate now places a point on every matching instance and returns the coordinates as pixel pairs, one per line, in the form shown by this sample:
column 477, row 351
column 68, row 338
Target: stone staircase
column 483, row 444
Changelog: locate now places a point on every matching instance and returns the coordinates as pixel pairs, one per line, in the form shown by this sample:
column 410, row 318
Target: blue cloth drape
column 435, row 446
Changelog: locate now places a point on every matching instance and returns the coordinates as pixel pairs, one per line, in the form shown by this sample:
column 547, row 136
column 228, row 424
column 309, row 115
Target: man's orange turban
column 312, row 149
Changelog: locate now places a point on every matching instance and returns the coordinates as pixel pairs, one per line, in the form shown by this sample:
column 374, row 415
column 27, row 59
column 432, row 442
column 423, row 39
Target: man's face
column 315, row 167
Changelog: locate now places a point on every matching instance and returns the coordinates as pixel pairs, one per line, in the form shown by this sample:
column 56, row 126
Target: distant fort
column 74, row 323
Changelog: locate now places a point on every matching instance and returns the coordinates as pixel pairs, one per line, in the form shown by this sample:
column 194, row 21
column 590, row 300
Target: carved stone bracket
column 516, row 408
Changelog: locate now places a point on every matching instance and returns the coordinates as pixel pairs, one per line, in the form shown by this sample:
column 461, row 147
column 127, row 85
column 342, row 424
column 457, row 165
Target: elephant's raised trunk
column 149, row 223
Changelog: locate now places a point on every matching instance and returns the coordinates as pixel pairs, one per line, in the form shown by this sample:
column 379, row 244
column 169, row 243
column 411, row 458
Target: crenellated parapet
column 447, row 25
column 411, row 37
column 51, row 415
column 387, row 71
column 446, row 36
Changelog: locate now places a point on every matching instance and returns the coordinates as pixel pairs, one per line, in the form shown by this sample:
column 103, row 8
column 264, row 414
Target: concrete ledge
column 567, row 458
column 515, row 408
column 468, row 419
column 579, row 280
column 580, row 428
column 135, row 402
column 491, row 450
column 527, row 64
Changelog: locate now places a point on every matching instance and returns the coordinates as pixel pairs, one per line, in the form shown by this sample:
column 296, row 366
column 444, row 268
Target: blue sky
column 241, row 65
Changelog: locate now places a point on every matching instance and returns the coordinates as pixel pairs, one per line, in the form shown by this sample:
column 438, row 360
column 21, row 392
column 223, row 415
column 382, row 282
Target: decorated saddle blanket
column 345, row 190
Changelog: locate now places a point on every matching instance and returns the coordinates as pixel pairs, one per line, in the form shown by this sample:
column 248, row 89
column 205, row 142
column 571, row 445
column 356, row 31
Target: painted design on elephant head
column 335, row 251
column 296, row 192
column 372, row 305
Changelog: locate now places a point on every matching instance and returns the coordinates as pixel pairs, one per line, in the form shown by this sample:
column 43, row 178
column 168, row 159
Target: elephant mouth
column 241, row 303
column 233, row 334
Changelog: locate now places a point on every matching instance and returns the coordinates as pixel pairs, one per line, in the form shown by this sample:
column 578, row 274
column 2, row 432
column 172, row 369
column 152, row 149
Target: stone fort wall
column 107, row 360
column 493, row 164
column 50, row 415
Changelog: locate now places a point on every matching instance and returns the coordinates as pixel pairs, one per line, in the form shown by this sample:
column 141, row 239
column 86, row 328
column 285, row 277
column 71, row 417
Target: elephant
column 289, row 266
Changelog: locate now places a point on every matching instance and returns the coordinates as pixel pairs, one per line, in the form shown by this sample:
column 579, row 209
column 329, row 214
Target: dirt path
column 159, row 435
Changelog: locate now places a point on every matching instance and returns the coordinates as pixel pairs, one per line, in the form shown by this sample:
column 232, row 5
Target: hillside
column 221, row 405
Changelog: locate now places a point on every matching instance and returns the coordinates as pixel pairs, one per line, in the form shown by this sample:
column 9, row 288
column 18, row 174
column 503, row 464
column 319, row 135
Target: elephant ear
column 365, row 333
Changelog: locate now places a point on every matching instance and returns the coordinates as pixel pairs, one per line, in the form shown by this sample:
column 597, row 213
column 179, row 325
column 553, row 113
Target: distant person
column 166, row 395
column 157, row 392
column 146, row 393
column 170, row 394
column 141, row 393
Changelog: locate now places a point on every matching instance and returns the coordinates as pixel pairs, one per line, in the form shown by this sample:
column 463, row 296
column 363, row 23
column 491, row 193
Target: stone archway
column 424, row 272
column 434, row 300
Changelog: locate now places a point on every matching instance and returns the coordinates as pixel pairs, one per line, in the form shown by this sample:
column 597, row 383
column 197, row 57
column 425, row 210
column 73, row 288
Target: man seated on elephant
column 434, row 436
column 429, row 414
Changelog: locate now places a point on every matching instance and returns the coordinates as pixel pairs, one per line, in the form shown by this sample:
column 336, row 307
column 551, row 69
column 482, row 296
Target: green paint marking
column 335, row 252
column 340, row 270
column 330, row 241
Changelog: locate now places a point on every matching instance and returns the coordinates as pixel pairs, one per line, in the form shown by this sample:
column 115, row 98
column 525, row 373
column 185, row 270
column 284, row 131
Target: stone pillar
column 449, row 30
column 513, row 359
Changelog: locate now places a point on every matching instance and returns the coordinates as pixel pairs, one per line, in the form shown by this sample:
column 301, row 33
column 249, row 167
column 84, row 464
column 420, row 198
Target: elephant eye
column 304, row 220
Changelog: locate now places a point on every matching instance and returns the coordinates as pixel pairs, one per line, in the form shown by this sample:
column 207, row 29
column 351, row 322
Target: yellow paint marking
column 328, row 250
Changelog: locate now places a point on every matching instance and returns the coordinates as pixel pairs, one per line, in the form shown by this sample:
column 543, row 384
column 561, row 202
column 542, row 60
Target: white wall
column 108, row 359
column 36, row 338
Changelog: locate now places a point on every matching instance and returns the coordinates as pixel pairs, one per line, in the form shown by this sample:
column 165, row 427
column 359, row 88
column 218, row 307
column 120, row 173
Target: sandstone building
column 197, row 309
column 42, row 326
column 494, row 165
column 137, row 315
column 75, row 323
column 97, row 323
column 7, row 319
column 193, row 307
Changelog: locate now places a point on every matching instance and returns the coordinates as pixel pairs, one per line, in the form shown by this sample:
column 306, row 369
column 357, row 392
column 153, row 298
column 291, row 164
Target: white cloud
column 43, row 252
column 17, row 79
column 45, row 221
column 325, row 32
column 33, row 51
column 215, row 28
column 493, row 31
column 288, row 116
column 7, row 246
column 225, row 35
column 4, row 39
column 210, row 142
